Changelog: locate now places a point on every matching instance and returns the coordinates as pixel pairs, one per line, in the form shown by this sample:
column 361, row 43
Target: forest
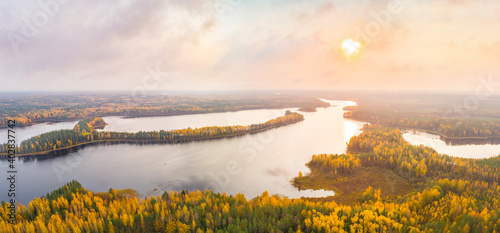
column 29, row 109
column 85, row 132
column 450, row 195
column 450, row 115
column 452, row 128
column 382, row 183
column 447, row 193
column 90, row 125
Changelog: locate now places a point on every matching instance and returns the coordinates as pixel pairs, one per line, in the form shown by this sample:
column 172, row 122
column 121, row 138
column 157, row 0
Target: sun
column 350, row 48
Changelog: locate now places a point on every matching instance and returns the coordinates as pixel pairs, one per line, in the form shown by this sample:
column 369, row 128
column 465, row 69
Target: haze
column 242, row 44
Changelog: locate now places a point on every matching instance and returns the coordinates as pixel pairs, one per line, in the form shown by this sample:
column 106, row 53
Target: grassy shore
column 348, row 189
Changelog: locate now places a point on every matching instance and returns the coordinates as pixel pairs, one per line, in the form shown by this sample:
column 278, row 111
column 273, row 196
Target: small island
column 313, row 107
column 90, row 125
column 307, row 109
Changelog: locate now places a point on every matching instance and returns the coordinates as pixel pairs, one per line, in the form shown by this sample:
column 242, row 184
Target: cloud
column 91, row 38
column 253, row 44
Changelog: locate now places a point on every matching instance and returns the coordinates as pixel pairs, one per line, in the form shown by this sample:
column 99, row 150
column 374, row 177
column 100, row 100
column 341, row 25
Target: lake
column 23, row 133
column 247, row 164
column 463, row 151
column 121, row 124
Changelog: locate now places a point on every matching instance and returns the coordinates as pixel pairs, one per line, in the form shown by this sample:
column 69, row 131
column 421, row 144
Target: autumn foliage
column 451, row 194
column 84, row 132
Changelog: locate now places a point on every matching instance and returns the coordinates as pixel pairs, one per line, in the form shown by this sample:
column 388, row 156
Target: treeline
column 452, row 194
column 32, row 109
column 84, row 133
column 463, row 197
column 448, row 127
column 452, row 115
column 71, row 209
column 342, row 164
column 385, row 148
column 450, row 206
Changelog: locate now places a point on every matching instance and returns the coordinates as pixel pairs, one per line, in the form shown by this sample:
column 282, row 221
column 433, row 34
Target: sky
column 151, row 45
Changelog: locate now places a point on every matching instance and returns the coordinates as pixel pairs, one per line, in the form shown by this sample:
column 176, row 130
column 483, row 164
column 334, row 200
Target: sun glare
column 350, row 48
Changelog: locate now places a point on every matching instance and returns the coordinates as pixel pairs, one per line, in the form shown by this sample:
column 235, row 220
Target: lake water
column 23, row 133
column 248, row 164
column 463, row 151
column 120, row 124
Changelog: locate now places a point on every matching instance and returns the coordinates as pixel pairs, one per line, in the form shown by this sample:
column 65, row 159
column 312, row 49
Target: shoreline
column 53, row 121
column 146, row 141
column 446, row 137
column 429, row 131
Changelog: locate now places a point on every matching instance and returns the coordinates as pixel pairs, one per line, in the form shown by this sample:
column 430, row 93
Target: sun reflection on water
column 350, row 129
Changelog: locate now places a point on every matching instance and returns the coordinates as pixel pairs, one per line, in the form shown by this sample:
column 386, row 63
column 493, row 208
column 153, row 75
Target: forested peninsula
column 86, row 133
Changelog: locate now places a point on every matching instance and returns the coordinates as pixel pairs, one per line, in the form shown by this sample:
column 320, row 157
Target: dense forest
column 386, row 148
column 73, row 209
column 85, row 132
column 382, row 183
column 448, row 193
column 29, row 109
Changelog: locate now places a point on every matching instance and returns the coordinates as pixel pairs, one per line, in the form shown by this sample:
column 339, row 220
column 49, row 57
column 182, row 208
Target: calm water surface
column 463, row 151
column 247, row 117
column 248, row 164
column 23, row 133
column 120, row 124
